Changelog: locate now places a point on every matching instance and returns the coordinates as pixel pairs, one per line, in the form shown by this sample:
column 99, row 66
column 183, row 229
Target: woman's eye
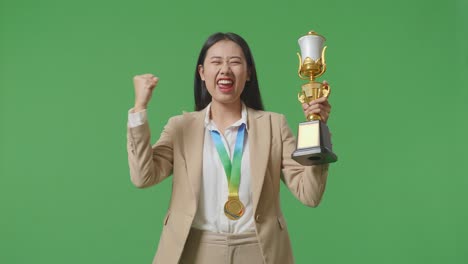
column 235, row 62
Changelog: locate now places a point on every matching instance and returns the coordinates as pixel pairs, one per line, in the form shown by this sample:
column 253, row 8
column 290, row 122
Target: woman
column 227, row 159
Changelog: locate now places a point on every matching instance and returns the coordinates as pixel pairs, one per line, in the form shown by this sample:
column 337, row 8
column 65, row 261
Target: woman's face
column 224, row 71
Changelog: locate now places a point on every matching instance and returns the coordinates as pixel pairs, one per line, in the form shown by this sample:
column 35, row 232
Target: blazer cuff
column 136, row 119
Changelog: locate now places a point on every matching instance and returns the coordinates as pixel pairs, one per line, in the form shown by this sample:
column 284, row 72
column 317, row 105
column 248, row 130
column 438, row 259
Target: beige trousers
column 205, row 247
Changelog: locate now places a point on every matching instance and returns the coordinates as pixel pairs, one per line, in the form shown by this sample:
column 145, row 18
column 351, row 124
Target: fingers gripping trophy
column 313, row 140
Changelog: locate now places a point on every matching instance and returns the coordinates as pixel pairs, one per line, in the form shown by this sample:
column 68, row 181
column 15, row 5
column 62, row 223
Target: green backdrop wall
column 397, row 68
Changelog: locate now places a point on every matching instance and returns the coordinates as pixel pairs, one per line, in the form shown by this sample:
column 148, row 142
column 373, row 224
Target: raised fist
column 144, row 85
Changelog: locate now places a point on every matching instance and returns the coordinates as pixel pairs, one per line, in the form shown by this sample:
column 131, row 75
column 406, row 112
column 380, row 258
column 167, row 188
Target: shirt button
column 257, row 218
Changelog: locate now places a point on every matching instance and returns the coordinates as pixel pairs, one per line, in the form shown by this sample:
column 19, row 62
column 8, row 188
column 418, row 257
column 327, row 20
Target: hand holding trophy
column 313, row 140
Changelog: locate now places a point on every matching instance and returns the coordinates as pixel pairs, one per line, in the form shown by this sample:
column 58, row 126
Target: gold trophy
column 313, row 139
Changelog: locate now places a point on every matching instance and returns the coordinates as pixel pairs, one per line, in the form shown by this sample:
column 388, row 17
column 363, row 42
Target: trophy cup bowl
column 313, row 140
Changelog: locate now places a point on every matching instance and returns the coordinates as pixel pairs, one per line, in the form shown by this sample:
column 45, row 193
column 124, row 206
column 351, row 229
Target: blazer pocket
column 167, row 217
column 281, row 222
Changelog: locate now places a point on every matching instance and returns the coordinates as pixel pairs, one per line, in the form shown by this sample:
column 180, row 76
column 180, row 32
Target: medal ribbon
column 232, row 170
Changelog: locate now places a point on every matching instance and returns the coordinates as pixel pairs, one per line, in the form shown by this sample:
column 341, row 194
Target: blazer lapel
column 193, row 136
column 259, row 134
column 259, row 145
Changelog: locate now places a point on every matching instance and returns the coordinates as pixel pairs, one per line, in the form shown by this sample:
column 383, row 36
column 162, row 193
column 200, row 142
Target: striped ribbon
column 232, row 170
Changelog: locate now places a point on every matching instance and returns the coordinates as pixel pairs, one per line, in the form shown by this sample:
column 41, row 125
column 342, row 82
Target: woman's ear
column 201, row 72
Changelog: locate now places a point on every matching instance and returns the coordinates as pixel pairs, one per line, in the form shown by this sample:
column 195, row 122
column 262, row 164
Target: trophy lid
column 311, row 45
column 315, row 34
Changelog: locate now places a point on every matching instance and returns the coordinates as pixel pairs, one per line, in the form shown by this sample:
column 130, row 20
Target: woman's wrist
column 138, row 108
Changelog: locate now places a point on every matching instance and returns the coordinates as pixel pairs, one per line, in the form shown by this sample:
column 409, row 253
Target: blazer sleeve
column 307, row 183
column 149, row 165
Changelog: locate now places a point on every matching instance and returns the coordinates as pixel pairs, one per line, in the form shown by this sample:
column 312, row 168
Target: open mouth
column 225, row 84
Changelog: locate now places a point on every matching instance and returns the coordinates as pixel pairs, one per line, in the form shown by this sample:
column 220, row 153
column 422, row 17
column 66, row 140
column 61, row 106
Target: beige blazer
column 179, row 152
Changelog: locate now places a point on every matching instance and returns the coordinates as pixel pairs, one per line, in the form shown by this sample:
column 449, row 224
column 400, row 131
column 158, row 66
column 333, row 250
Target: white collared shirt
column 214, row 186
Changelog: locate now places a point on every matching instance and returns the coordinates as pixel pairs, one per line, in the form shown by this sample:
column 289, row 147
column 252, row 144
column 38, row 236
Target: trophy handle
column 323, row 55
column 301, row 97
column 300, row 66
column 326, row 89
column 324, row 65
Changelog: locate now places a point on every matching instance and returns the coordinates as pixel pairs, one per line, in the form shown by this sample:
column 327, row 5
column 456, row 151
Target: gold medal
column 234, row 208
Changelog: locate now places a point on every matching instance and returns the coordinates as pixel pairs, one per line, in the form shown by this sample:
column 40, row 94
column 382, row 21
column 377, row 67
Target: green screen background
column 398, row 193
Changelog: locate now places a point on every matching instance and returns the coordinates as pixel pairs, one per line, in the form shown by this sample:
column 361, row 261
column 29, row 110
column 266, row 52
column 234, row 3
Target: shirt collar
column 210, row 124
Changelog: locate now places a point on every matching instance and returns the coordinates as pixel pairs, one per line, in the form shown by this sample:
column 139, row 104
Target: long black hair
column 251, row 93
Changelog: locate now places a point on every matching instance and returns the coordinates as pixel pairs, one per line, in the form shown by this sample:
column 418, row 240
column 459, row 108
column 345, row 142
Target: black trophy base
column 314, row 156
column 314, row 144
